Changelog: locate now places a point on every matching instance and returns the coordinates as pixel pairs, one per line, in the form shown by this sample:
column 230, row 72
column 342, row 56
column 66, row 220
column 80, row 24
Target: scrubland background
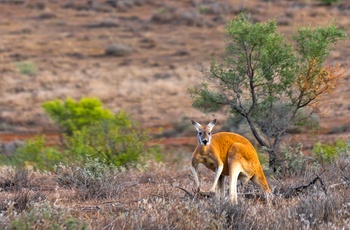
column 141, row 56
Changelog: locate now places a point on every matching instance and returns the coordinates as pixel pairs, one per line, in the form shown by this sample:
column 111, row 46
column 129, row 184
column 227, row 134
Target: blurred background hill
column 140, row 56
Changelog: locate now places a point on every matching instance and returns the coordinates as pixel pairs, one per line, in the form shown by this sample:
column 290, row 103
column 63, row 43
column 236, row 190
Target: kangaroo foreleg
column 194, row 169
column 218, row 172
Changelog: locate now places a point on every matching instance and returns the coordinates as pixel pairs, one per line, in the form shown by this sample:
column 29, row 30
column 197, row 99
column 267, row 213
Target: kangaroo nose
column 205, row 142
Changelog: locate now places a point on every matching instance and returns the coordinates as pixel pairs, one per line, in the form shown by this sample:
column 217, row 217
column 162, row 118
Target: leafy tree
column 72, row 115
column 268, row 81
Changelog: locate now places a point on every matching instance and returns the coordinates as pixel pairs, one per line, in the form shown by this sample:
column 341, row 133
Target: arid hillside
column 140, row 56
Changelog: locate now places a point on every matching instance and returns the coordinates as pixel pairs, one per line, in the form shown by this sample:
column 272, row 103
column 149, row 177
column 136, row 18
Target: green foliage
column 315, row 44
column 27, row 67
column 72, row 115
column 93, row 132
column 325, row 153
column 292, row 161
column 329, row 2
column 116, row 141
column 35, row 154
column 44, row 216
column 203, row 9
column 163, row 10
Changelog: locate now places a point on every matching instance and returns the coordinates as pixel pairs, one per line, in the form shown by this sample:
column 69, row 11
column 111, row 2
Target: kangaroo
column 227, row 154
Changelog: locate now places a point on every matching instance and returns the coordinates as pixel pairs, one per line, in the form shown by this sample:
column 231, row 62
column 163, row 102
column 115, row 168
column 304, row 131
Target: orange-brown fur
column 227, row 154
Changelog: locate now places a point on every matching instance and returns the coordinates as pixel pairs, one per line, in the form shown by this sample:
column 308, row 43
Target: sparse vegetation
column 118, row 50
column 328, row 153
column 94, row 196
column 43, row 215
column 92, row 179
column 27, row 67
column 34, row 154
column 293, row 161
column 329, row 2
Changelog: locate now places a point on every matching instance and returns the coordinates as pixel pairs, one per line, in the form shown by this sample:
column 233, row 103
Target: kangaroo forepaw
column 205, row 194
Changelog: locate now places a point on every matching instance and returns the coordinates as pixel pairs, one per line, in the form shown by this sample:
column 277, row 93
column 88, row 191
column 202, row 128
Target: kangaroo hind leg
column 259, row 180
column 234, row 171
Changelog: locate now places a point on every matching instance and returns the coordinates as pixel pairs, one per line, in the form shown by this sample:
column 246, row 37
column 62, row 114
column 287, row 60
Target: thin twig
column 322, row 184
column 187, row 192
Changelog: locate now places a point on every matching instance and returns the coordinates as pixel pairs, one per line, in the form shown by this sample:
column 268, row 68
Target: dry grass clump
column 93, row 180
column 160, row 196
column 43, row 215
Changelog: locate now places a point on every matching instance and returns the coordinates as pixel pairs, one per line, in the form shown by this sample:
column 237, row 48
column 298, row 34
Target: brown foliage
column 317, row 81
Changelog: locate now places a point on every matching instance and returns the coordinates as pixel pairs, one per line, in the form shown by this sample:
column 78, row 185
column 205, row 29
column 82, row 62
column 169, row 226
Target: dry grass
column 159, row 196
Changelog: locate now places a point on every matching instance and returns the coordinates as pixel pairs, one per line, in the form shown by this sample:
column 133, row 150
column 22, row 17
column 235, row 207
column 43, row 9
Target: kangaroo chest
column 209, row 161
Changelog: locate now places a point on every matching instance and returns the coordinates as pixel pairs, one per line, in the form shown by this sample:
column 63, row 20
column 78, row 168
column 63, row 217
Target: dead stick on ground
column 317, row 178
column 187, row 192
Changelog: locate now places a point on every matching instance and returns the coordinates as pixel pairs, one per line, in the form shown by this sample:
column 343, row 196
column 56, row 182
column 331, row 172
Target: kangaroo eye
column 200, row 133
column 209, row 133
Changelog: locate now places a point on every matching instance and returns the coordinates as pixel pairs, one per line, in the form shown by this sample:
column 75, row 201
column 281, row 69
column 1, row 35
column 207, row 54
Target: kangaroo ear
column 196, row 124
column 212, row 124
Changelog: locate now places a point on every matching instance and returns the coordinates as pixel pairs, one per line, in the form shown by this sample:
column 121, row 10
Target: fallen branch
column 196, row 193
column 317, row 178
column 295, row 190
column 187, row 192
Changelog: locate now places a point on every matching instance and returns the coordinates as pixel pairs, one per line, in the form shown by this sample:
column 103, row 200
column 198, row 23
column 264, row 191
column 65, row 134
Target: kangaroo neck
column 204, row 148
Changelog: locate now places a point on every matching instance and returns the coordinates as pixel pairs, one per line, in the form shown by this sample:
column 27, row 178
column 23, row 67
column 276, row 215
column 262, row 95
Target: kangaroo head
column 204, row 132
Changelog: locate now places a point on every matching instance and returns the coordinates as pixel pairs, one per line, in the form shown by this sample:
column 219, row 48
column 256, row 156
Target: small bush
column 35, row 154
column 116, row 141
column 118, row 50
column 91, row 180
column 27, row 67
column 72, row 115
column 328, row 2
column 14, row 179
column 328, row 153
column 292, row 161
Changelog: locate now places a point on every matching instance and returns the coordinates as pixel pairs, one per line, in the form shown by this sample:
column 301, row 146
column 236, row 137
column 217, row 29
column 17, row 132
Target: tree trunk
column 272, row 160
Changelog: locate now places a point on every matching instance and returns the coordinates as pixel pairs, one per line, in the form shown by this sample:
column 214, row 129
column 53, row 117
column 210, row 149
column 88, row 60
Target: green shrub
column 292, row 161
column 328, row 153
column 95, row 132
column 27, row 67
column 72, row 115
column 203, row 9
column 35, row 154
column 116, row 141
column 329, row 2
